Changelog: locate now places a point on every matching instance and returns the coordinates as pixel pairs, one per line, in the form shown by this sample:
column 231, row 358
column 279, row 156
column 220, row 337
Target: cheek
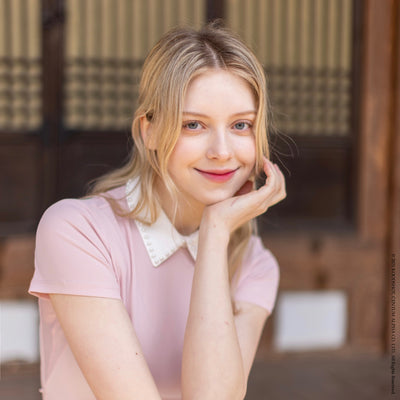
column 183, row 153
column 246, row 150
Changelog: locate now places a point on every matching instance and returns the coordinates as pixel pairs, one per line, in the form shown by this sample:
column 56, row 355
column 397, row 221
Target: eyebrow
column 233, row 115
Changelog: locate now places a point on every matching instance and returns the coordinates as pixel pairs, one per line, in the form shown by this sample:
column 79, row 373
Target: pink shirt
column 84, row 248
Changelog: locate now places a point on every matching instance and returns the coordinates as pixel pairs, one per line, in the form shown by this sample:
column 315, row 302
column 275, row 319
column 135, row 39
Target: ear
column 146, row 128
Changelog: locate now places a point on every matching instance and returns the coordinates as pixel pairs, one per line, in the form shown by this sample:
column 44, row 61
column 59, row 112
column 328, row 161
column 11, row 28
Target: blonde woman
column 155, row 286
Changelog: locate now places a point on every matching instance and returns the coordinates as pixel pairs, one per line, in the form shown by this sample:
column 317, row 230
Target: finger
column 270, row 180
column 279, row 176
column 270, row 173
column 280, row 193
column 265, row 195
column 282, row 181
column 274, row 189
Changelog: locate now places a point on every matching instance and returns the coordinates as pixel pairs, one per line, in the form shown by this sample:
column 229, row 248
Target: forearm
column 212, row 366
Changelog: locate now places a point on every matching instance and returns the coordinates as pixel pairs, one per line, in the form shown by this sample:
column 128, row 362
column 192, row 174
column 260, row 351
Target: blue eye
column 241, row 126
column 193, row 125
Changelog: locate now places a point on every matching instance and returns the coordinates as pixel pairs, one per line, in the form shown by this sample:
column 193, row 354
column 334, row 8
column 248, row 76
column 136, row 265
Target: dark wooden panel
column 319, row 184
column 85, row 156
column 20, row 185
column 215, row 9
column 53, row 17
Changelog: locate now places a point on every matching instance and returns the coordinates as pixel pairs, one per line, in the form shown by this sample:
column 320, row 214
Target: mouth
column 217, row 175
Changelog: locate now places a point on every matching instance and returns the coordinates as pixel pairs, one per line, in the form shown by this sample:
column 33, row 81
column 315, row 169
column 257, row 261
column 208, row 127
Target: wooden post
column 53, row 16
column 393, row 250
column 215, row 9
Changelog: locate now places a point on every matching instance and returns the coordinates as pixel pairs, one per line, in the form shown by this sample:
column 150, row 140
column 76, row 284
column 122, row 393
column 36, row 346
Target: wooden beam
column 375, row 119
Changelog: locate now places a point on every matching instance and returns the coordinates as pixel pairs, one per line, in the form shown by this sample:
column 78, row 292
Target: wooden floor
column 280, row 378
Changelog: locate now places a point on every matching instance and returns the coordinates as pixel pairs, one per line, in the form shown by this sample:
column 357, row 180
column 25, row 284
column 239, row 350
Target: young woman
column 154, row 286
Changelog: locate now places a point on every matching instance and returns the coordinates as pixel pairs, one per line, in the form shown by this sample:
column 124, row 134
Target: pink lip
column 217, row 175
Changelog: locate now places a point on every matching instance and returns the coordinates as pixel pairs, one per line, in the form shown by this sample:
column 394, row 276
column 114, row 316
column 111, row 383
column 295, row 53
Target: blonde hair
column 179, row 56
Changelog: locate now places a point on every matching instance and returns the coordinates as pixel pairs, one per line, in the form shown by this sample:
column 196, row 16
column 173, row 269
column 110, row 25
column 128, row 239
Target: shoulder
column 85, row 206
column 258, row 279
column 259, row 262
column 67, row 208
column 66, row 212
column 74, row 250
column 82, row 214
column 258, row 253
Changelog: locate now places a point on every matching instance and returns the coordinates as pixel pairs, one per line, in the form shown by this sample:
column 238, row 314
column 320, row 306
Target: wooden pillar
column 53, row 16
column 393, row 250
column 215, row 9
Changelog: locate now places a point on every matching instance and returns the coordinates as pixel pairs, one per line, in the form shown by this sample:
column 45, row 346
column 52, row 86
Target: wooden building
column 69, row 72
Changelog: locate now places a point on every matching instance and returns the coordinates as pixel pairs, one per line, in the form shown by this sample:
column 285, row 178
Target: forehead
column 214, row 89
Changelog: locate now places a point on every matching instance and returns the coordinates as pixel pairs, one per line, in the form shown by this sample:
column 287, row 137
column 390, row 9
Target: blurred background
column 69, row 73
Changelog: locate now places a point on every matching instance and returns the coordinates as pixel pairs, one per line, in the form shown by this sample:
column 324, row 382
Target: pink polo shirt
column 84, row 248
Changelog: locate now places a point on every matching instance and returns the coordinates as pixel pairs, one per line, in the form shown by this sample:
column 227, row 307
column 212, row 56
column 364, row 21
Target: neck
column 187, row 218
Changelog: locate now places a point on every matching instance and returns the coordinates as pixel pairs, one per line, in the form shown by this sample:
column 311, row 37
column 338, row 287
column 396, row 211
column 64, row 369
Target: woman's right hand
column 247, row 204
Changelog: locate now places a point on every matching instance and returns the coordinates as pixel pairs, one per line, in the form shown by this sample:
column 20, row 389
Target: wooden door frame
column 357, row 261
column 393, row 262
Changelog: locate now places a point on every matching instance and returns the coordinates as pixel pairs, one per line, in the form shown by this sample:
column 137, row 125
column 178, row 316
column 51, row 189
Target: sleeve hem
column 43, row 291
column 257, row 303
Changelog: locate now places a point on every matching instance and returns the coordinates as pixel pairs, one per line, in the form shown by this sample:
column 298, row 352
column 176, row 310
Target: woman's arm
column 216, row 362
column 104, row 343
column 212, row 366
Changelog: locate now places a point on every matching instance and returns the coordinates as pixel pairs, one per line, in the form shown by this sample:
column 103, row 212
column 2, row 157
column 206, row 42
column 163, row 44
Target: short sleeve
column 259, row 278
column 71, row 256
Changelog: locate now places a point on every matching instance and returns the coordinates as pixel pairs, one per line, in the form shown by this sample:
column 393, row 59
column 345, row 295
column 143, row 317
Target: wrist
column 212, row 226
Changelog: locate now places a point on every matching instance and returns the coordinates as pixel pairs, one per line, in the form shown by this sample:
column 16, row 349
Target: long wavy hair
column 179, row 56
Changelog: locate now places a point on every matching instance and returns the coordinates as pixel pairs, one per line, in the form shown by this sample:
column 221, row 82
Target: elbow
column 238, row 389
column 242, row 391
column 222, row 385
column 241, row 386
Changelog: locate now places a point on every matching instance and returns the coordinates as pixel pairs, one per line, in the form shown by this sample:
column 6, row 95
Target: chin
column 210, row 200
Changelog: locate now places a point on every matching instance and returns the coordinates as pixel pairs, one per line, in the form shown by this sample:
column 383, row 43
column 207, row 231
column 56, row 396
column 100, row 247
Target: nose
column 219, row 147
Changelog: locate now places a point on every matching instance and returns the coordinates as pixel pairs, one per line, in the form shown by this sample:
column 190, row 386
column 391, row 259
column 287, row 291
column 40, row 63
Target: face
column 215, row 153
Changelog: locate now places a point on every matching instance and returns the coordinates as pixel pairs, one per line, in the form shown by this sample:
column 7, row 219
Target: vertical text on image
column 393, row 323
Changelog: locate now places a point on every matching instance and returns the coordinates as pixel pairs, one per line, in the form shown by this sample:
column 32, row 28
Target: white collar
column 161, row 238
